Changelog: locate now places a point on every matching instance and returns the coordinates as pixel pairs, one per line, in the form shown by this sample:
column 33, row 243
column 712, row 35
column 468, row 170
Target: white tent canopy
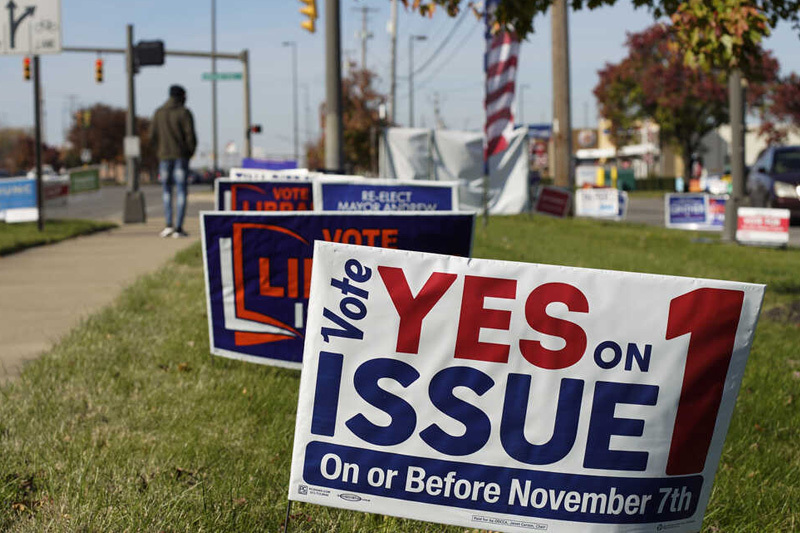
column 445, row 155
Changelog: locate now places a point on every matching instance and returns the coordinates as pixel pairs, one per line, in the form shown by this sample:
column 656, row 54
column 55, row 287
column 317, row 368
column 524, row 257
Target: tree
column 360, row 122
column 101, row 129
column 17, row 151
column 703, row 14
column 780, row 112
column 655, row 82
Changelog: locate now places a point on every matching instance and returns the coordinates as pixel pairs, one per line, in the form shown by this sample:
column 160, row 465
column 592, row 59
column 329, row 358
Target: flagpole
column 485, row 199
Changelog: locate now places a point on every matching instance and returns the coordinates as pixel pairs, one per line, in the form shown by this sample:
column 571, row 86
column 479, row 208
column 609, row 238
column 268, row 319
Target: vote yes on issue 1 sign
column 516, row 397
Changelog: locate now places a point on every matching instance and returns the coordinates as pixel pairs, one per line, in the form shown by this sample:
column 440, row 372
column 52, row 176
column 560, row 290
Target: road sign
column 222, row 76
column 30, row 27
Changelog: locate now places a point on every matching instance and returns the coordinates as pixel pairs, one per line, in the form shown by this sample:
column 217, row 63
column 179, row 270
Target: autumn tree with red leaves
column 101, row 129
column 361, row 123
column 655, row 82
column 780, row 113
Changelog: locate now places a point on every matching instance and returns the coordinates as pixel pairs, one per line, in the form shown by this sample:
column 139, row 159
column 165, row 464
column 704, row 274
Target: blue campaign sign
column 685, row 210
column 17, row 193
column 694, row 211
column 259, row 195
column 387, row 195
column 258, row 270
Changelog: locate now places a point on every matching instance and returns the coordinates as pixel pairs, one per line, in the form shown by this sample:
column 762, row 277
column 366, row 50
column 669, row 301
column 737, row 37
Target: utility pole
column 334, row 156
column 562, row 122
column 364, row 34
column 411, row 39
column 37, row 148
column 244, row 57
column 437, row 112
column 307, row 113
column 134, row 198
column 522, row 88
column 293, row 45
column 736, row 104
column 214, row 154
column 393, row 73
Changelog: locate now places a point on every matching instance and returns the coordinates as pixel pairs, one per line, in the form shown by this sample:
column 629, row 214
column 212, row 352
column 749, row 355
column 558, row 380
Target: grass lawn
column 129, row 425
column 16, row 237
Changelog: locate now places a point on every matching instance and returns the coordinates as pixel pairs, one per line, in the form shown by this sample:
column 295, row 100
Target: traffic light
column 255, row 128
column 98, row 70
column 87, row 118
column 26, row 68
column 310, row 11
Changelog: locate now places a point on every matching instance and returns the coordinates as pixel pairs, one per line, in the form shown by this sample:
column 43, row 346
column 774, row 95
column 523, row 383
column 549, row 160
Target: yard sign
column 516, row 397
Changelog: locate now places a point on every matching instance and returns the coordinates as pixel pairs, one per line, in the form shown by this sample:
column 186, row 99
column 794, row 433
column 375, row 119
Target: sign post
column 33, row 27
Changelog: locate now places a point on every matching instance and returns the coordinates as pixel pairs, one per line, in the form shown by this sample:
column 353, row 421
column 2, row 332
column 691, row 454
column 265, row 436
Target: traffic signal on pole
column 255, row 128
column 310, row 11
column 98, row 70
column 26, row 68
column 87, row 118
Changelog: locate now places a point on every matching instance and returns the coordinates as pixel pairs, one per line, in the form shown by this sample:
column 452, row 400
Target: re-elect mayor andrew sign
column 258, row 270
column 516, row 397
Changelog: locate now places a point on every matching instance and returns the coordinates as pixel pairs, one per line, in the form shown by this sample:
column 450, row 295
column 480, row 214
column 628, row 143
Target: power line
column 444, row 42
column 455, row 50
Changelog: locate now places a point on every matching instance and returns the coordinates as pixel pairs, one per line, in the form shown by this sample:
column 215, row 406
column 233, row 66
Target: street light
column 293, row 44
column 411, row 39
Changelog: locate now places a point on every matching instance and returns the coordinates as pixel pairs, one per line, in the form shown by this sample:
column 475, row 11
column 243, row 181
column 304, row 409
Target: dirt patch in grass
column 787, row 313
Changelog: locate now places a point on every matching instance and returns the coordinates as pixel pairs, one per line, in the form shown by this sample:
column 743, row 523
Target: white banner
column 516, row 397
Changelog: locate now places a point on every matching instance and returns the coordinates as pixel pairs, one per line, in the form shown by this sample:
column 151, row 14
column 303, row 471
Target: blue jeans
column 174, row 172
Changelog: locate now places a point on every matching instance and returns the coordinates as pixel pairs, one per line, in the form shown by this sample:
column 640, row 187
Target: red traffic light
column 26, row 68
column 255, row 128
column 98, row 70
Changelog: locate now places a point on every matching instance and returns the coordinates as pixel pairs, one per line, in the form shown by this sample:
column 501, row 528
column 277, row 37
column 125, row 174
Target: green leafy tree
column 716, row 32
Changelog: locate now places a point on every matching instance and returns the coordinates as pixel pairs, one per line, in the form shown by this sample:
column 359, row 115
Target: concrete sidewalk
column 46, row 291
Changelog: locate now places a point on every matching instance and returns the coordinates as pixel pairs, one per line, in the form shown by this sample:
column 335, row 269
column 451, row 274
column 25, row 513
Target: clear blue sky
column 596, row 37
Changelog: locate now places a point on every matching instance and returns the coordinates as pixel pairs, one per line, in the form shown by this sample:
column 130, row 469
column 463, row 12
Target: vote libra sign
column 511, row 396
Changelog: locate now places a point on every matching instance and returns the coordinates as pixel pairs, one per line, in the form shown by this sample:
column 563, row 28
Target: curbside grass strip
column 128, row 424
column 17, row 237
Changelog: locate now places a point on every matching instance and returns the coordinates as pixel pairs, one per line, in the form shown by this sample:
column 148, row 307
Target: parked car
column 774, row 180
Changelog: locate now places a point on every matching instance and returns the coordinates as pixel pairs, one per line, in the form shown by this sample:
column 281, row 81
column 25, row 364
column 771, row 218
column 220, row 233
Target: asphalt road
column 109, row 203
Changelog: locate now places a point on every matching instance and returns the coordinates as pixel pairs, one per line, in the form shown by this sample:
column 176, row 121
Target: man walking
column 172, row 136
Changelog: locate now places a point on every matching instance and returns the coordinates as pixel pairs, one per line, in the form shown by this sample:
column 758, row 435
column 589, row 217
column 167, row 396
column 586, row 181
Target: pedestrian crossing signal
column 26, row 68
column 310, row 11
column 98, row 71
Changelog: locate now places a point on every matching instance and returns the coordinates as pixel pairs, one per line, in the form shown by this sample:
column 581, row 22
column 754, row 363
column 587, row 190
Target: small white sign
column 132, row 146
column 30, row 27
column 763, row 226
column 600, row 203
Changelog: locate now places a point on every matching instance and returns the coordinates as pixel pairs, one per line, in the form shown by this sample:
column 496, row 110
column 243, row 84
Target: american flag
column 500, row 65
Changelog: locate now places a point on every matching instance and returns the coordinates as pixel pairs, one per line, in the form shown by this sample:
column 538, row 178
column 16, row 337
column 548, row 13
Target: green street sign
column 222, row 76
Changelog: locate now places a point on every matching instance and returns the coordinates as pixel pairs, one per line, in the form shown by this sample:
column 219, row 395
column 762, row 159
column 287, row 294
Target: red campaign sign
column 553, row 201
column 762, row 226
column 55, row 190
column 763, row 223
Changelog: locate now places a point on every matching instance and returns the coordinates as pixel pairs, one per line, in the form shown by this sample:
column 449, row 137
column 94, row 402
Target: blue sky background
column 596, row 37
